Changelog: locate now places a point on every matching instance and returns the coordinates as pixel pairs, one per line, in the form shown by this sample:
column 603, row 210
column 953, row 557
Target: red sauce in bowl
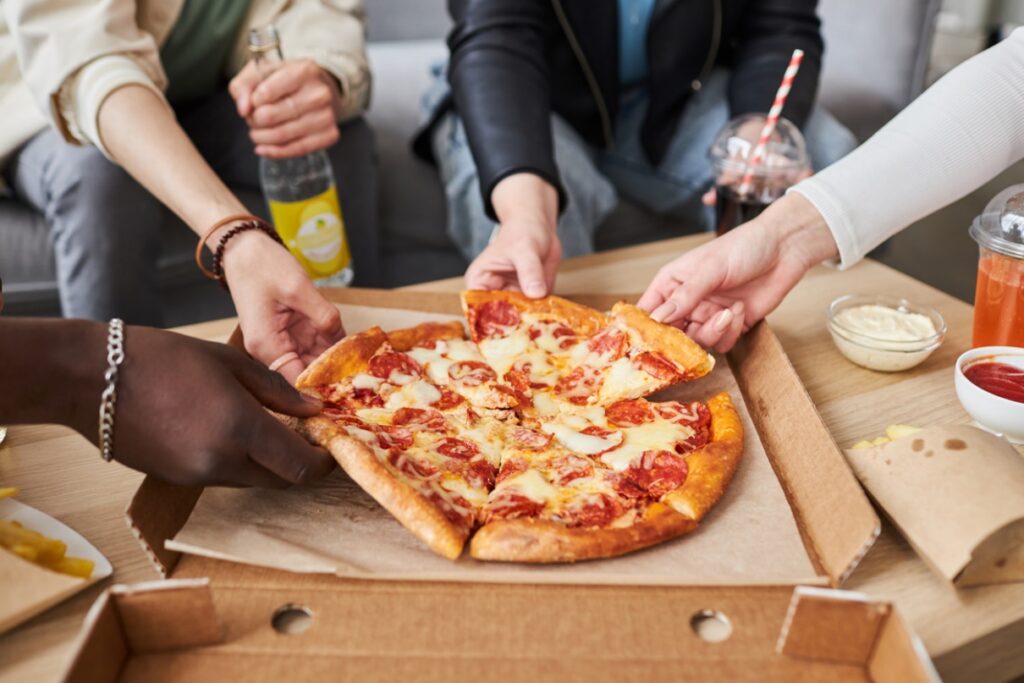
column 1001, row 379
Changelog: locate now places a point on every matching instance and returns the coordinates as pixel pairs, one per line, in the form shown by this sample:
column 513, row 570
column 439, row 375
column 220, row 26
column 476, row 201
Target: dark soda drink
column 731, row 210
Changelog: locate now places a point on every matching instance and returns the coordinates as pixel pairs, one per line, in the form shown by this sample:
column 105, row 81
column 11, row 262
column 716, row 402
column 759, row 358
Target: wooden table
column 974, row 634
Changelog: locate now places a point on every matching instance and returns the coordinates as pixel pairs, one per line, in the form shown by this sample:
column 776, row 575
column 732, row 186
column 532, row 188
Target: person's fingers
column 709, row 198
column 733, row 330
column 664, row 283
column 314, row 96
column 286, row 454
column 241, row 88
column 284, row 81
column 295, row 128
column 305, row 145
column 324, row 316
column 693, row 289
column 484, row 279
column 272, row 390
column 252, row 474
column 530, row 273
column 551, row 263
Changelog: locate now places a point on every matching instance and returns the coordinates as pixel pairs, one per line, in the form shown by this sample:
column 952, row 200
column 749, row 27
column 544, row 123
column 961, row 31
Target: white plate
column 34, row 520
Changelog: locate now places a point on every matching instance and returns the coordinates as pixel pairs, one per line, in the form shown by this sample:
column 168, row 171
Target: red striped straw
column 757, row 158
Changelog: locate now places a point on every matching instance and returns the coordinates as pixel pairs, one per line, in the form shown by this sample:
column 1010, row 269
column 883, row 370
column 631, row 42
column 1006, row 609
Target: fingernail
column 533, row 289
column 664, row 311
column 313, row 401
column 723, row 320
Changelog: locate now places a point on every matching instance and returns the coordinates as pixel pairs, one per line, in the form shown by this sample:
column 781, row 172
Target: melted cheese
column 439, row 359
column 366, row 381
column 418, row 394
column 475, row 496
column 624, row 378
column 545, row 404
column 659, row 435
column 531, row 484
column 587, row 444
column 502, row 352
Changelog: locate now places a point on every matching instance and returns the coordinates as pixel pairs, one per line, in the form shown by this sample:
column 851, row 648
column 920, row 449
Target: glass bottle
column 301, row 193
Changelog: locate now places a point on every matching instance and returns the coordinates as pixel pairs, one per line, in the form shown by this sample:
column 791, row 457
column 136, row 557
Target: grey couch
column 876, row 56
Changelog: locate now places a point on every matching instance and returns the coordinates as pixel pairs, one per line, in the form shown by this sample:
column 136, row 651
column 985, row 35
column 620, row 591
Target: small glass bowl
column 883, row 355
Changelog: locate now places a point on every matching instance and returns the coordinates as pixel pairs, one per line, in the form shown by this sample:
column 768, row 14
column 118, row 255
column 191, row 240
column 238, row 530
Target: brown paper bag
column 957, row 495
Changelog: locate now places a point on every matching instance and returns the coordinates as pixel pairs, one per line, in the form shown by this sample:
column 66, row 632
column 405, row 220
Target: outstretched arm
column 962, row 132
column 188, row 411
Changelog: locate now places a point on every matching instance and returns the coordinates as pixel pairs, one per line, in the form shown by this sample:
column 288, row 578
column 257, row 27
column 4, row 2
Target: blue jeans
column 595, row 178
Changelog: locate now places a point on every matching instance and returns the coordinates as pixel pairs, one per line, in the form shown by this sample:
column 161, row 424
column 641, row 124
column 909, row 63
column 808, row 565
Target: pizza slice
column 604, row 485
column 418, row 449
column 575, row 354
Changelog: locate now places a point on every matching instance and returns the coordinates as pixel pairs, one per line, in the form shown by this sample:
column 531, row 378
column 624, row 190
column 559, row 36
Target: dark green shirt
column 198, row 46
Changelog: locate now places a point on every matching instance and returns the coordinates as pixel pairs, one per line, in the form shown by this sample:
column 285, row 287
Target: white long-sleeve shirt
column 958, row 135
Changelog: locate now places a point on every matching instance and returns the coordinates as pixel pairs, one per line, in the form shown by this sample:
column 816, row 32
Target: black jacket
column 513, row 62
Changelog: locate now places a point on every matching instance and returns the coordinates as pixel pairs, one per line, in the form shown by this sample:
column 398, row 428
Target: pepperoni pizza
column 532, row 435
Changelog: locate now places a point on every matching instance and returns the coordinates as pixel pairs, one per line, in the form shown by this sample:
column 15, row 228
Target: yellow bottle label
column 314, row 232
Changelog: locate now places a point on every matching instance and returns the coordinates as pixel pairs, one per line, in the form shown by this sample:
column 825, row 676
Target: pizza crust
column 412, row 510
column 348, row 357
column 583, row 319
column 536, row 540
column 710, row 469
column 424, row 334
column 668, row 341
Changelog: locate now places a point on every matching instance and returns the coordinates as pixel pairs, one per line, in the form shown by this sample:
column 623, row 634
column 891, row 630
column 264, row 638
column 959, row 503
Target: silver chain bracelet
column 108, row 400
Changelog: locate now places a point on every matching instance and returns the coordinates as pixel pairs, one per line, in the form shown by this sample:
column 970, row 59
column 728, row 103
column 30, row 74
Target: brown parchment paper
column 956, row 493
column 332, row 526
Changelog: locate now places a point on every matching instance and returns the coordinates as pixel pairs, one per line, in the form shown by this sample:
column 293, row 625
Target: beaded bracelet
column 250, row 222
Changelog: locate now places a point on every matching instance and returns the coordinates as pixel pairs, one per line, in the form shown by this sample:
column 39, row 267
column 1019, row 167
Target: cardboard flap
column 101, row 649
column 956, row 493
column 849, row 628
column 839, row 528
column 157, row 512
column 167, row 615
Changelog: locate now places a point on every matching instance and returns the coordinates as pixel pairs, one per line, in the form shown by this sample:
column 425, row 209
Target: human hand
column 525, row 254
column 723, row 287
column 280, row 311
column 292, row 111
column 192, row 412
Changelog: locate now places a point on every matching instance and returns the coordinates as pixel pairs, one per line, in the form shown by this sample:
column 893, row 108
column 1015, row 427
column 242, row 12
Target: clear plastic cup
column 784, row 163
column 999, row 295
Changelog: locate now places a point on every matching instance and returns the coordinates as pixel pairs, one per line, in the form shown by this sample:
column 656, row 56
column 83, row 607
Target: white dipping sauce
column 884, row 323
column 882, row 338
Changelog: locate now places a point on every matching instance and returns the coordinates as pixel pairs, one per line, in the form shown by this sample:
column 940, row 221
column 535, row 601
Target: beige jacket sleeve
column 330, row 32
column 73, row 54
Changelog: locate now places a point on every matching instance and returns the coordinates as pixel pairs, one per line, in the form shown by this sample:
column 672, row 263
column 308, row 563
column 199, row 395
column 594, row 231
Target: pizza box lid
column 203, row 630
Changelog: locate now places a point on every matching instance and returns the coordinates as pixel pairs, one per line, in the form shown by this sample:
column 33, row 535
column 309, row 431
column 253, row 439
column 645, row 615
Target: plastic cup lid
column 987, row 231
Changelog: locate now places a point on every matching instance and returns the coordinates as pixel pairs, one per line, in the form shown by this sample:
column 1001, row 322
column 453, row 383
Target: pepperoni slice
column 597, row 510
column 529, row 439
column 394, row 437
column 449, row 399
column 480, row 474
column 409, row 466
column 629, row 412
column 471, row 373
column 579, row 385
column 564, row 336
column 510, row 468
column 457, row 510
column 458, row 448
column 571, row 467
column 385, row 364
column 519, row 382
column 495, row 319
column 657, row 365
column 609, row 343
column 368, row 398
column 657, row 473
column 512, row 505
column 419, row 419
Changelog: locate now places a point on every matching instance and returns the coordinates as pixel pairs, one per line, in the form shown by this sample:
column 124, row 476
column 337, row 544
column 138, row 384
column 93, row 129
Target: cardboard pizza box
column 211, row 630
column 550, row 623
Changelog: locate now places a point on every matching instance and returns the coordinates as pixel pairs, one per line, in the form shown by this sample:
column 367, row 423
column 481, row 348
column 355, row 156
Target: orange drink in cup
column 999, row 296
